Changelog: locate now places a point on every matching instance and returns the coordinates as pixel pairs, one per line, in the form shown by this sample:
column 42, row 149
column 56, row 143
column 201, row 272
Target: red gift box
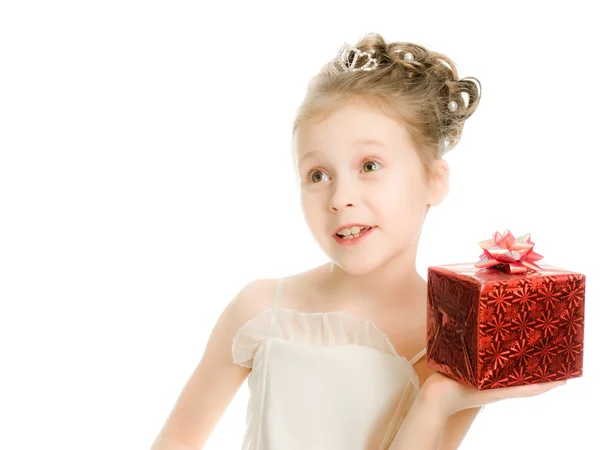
column 505, row 320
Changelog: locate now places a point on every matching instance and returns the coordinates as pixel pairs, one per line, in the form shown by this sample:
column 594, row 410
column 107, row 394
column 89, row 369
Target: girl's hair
column 414, row 92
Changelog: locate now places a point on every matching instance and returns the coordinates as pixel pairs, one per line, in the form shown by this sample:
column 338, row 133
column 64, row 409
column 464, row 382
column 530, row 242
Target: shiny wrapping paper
column 505, row 320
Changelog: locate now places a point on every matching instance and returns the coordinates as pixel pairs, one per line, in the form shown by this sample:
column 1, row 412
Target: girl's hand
column 454, row 396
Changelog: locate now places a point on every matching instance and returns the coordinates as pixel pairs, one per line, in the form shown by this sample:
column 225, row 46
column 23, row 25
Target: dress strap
column 418, row 356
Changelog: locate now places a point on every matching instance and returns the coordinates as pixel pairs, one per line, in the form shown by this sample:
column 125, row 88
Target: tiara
column 342, row 63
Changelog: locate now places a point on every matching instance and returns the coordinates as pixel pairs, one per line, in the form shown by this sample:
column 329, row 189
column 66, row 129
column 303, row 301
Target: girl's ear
column 440, row 182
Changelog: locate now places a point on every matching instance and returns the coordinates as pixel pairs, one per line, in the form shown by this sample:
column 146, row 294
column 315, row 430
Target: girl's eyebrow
column 367, row 141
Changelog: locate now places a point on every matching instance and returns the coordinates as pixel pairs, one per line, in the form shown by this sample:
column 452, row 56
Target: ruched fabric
column 322, row 381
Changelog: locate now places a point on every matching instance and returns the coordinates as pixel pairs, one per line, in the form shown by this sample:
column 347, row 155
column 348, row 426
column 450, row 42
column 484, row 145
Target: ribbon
column 515, row 256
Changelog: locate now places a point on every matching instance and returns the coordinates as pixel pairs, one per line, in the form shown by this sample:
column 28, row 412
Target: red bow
column 506, row 252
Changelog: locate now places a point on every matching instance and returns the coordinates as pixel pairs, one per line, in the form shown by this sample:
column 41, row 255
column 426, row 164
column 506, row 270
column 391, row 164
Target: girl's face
column 359, row 166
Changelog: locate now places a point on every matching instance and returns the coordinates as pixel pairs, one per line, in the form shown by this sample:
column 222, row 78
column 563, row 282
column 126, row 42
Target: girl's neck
column 388, row 285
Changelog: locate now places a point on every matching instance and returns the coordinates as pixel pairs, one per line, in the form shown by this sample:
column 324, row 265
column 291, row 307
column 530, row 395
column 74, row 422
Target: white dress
column 322, row 381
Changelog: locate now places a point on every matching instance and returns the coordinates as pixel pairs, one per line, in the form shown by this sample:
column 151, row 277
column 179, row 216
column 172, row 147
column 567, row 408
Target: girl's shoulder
column 297, row 291
column 252, row 307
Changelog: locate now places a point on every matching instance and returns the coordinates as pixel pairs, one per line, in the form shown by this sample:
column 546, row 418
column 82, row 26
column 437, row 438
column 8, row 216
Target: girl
column 335, row 355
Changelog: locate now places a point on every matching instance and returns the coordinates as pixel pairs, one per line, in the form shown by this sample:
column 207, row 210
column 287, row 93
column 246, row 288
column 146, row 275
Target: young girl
column 335, row 355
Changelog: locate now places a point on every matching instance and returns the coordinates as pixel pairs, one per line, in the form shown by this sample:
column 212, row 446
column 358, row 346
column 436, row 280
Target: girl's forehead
column 350, row 120
column 351, row 126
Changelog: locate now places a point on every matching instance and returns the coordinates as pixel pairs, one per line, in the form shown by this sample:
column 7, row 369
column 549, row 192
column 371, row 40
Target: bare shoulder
column 258, row 295
column 252, row 298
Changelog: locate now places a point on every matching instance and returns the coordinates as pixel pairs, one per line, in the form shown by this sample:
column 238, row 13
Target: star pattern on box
column 490, row 330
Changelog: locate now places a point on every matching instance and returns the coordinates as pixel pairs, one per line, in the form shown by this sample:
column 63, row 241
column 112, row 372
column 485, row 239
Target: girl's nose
column 342, row 199
column 344, row 194
column 336, row 208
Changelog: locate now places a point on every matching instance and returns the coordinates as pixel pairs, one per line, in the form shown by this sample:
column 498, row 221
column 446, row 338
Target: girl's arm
column 445, row 409
column 216, row 379
column 430, row 426
column 422, row 427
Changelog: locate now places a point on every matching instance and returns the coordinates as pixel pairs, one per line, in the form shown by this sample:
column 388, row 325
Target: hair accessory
column 344, row 63
column 408, row 56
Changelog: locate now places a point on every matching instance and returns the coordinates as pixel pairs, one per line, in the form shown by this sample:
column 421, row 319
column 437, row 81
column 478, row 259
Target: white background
column 145, row 177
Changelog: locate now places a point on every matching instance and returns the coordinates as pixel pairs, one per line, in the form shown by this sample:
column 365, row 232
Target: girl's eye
column 368, row 161
column 364, row 162
column 310, row 178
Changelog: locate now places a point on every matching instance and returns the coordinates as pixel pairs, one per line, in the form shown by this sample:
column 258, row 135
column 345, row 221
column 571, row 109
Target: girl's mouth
column 351, row 240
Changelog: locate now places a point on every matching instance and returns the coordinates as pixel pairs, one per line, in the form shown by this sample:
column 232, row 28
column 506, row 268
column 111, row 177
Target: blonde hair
column 414, row 92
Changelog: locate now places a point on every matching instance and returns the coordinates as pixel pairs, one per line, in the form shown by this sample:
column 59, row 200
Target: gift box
column 505, row 320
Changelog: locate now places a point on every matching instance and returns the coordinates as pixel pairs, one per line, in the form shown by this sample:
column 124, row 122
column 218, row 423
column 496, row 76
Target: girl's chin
column 355, row 266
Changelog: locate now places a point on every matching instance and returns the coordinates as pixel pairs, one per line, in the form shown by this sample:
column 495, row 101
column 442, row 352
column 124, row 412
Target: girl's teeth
column 354, row 236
